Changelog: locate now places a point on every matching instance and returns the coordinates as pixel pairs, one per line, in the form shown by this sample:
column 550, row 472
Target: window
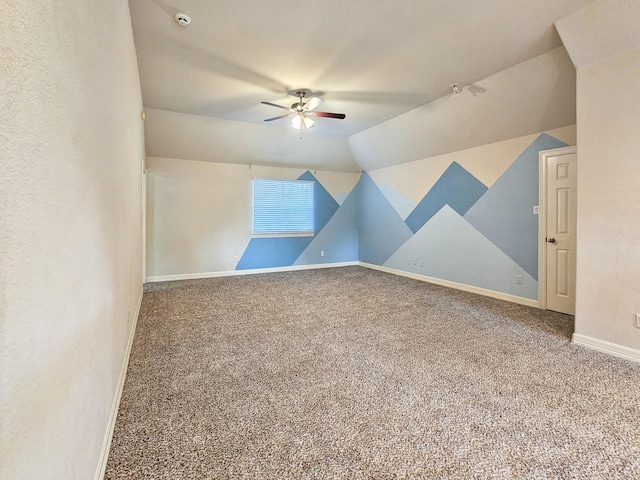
column 283, row 207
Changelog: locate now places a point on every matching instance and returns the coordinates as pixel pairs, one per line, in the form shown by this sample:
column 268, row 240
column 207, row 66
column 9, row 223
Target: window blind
column 283, row 207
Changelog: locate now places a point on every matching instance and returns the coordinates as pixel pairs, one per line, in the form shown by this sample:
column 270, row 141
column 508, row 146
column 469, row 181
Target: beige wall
column 603, row 40
column 71, row 144
column 609, row 200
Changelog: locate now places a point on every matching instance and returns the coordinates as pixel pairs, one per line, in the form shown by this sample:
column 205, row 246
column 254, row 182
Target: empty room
column 312, row 240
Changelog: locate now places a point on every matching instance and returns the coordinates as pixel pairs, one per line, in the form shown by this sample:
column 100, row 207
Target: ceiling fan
column 301, row 110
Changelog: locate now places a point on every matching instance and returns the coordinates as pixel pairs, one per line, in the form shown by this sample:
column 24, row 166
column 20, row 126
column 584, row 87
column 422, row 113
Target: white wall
column 603, row 40
column 71, row 144
column 199, row 214
column 197, row 219
column 485, row 162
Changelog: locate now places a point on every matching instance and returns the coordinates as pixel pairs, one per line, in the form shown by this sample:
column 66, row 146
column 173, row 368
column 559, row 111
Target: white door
column 560, row 237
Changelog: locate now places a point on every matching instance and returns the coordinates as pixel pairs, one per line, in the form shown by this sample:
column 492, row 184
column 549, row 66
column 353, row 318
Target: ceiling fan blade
column 341, row 116
column 313, row 103
column 278, row 117
column 275, row 105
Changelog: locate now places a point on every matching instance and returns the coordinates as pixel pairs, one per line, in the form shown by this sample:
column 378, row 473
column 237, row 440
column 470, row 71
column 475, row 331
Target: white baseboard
column 192, row 276
column 113, row 415
column 614, row 349
column 458, row 286
column 446, row 283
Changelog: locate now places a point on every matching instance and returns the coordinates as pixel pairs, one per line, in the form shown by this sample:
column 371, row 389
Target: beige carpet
column 353, row 373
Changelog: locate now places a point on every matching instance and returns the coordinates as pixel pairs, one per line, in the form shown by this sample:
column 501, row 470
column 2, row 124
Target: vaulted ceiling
column 374, row 61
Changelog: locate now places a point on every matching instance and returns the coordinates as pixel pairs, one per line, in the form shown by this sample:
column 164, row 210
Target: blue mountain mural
column 283, row 251
column 325, row 204
column 504, row 214
column 272, row 252
column 456, row 188
column 339, row 237
column 449, row 248
column 381, row 229
column 403, row 205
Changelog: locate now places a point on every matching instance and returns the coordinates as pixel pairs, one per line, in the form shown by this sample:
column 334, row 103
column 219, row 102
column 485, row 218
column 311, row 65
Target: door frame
column 542, row 218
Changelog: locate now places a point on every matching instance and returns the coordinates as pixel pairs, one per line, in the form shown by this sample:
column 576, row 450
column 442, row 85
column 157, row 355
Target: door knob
column 551, row 240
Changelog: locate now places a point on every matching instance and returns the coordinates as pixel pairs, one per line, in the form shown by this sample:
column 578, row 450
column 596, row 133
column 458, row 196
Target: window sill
column 281, row 235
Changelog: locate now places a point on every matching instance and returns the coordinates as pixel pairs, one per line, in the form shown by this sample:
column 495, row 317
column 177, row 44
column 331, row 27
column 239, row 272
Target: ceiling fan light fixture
column 301, row 121
column 301, row 110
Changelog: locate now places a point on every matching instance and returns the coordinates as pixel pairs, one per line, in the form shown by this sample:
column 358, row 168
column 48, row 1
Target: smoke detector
column 182, row 19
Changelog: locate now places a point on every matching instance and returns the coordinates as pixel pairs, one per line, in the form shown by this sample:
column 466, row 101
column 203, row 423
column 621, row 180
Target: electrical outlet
column 322, row 253
column 236, row 258
column 536, row 210
column 519, row 279
column 638, row 320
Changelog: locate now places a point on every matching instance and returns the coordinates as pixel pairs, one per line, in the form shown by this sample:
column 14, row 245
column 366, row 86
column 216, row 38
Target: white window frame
column 262, row 233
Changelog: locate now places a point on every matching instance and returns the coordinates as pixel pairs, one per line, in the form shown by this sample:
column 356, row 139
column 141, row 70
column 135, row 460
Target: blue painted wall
column 339, row 237
column 272, row 252
column 339, row 241
column 381, row 229
column 504, row 214
column 456, row 188
column 460, row 231
column 465, row 233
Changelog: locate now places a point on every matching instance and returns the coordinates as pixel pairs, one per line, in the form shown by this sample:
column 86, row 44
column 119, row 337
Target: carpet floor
column 354, row 373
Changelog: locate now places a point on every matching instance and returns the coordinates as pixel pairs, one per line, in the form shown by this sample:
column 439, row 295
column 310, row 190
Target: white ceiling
column 372, row 61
